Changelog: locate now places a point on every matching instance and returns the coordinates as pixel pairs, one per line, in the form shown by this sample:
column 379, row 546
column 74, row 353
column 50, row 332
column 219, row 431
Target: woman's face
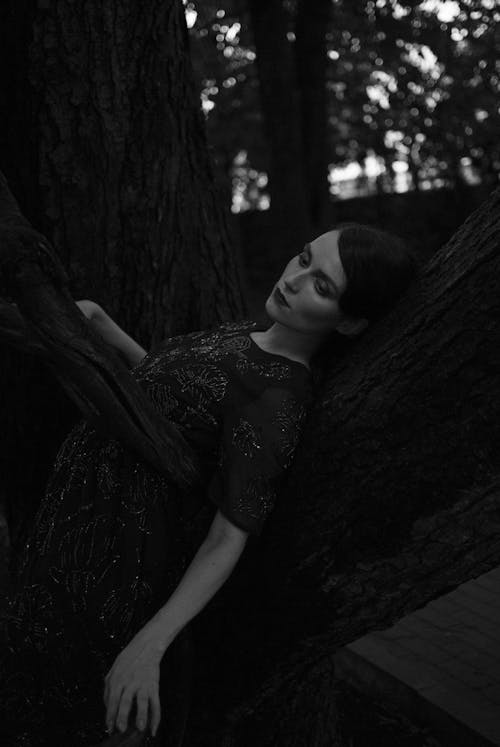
column 311, row 285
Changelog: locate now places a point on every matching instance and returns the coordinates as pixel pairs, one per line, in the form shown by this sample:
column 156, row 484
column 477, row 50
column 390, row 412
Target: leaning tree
column 392, row 500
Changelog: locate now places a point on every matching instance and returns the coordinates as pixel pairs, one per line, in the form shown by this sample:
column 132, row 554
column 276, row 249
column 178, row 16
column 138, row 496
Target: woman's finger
column 105, row 695
column 142, row 710
column 154, row 700
column 124, row 710
column 107, row 687
column 113, row 703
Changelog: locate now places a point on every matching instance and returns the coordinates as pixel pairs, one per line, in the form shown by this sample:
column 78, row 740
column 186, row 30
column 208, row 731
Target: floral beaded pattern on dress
column 260, row 428
column 246, row 438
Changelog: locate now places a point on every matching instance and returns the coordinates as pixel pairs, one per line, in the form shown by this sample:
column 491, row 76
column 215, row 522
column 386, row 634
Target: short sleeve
column 257, row 445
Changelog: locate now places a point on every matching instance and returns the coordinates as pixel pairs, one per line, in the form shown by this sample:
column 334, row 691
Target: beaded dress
column 112, row 537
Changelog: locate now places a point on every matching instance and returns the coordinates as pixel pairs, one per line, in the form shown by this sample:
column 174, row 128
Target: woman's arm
column 111, row 332
column 136, row 670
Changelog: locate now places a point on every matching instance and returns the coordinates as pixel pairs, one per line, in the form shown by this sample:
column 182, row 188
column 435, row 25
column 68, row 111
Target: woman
column 120, row 560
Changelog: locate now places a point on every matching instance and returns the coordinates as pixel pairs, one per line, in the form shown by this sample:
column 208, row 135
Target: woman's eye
column 303, row 258
column 322, row 288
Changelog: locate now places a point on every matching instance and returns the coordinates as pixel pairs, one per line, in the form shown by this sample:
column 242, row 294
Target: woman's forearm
column 210, row 567
column 111, row 332
column 114, row 335
column 136, row 670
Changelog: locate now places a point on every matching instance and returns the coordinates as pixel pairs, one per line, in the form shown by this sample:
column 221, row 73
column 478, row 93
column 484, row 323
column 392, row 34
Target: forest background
column 380, row 112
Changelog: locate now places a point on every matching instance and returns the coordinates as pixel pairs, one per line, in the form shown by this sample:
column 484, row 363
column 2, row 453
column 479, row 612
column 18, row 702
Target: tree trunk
column 125, row 188
column 103, row 142
column 393, row 498
column 292, row 78
column 310, row 54
column 281, row 106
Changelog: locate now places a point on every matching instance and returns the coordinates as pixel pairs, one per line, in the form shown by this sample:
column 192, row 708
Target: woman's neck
column 291, row 343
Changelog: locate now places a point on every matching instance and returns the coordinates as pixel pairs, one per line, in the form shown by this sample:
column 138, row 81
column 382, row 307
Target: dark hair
column 379, row 268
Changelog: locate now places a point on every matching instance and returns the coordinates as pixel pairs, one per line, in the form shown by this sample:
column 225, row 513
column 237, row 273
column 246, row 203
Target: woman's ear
column 351, row 325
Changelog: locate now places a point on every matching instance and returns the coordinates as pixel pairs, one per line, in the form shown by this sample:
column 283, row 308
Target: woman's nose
column 293, row 281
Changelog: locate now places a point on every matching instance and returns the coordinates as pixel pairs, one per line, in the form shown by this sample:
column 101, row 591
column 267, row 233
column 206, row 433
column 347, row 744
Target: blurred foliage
column 224, row 57
column 413, row 93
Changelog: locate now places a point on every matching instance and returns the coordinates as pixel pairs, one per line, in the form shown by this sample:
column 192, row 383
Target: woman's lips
column 280, row 297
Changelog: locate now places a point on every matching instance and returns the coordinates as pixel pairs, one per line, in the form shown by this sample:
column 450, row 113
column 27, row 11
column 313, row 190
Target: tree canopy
column 412, row 91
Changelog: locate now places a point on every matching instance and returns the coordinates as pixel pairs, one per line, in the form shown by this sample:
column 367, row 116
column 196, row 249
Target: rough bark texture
column 393, row 498
column 45, row 321
column 126, row 180
column 103, row 144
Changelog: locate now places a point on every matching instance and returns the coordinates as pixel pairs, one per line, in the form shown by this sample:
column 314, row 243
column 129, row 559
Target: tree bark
column 45, row 321
column 125, row 183
column 103, row 141
column 393, row 498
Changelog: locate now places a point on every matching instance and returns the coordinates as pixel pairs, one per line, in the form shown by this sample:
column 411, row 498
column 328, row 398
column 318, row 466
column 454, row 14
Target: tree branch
column 48, row 323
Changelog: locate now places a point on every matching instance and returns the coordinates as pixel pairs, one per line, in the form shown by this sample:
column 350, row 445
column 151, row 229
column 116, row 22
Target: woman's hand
column 136, row 670
column 135, row 674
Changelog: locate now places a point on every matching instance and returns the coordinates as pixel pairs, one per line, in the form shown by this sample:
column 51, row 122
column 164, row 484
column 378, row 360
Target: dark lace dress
column 112, row 537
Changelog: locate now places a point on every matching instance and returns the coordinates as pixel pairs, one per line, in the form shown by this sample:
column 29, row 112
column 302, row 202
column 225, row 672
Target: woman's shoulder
column 199, row 346
column 264, row 368
column 229, row 346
